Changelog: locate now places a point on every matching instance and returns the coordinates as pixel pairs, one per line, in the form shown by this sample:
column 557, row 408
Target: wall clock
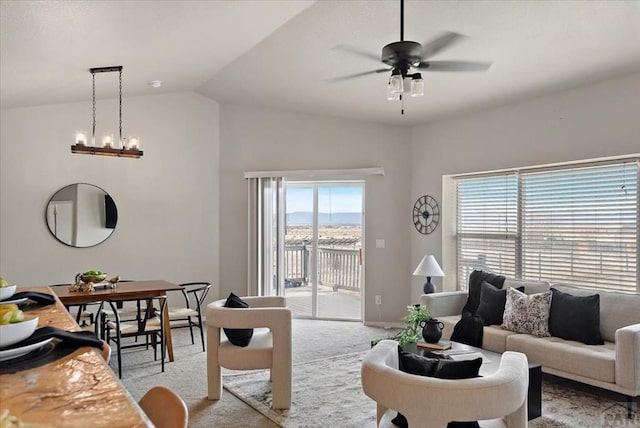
column 426, row 214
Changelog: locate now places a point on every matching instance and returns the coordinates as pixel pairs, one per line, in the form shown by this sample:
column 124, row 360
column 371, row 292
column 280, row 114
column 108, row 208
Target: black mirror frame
column 46, row 220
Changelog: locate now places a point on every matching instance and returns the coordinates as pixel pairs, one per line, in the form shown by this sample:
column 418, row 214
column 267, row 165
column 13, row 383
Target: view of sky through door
column 323, row 248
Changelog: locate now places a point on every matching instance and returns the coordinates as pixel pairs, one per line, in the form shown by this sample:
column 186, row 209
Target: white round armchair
column 496, row 400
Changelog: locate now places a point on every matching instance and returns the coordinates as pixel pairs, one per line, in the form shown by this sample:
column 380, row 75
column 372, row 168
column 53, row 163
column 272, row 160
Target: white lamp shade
column 428, row 267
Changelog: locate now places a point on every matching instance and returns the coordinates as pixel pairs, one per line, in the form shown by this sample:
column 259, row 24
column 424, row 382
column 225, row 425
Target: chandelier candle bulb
column 81, row 137
column 134, row 142
column 107, row 139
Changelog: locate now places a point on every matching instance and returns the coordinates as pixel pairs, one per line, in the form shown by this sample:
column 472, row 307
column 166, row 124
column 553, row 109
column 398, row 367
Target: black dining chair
column 194, row 294
column 83, row 317
column 147, row 323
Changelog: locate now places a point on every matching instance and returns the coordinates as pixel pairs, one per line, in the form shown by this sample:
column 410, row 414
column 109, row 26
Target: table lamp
column 428, row 267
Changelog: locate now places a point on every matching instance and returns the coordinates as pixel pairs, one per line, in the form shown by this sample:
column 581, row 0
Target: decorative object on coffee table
column 410, row 334
column 431, row 330
column 428, row 267
column 440, row 345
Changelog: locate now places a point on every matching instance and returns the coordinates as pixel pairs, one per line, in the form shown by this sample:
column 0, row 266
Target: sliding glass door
column 323, row 241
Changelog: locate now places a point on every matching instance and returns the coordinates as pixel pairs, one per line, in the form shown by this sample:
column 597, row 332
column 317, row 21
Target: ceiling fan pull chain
column 402, row 101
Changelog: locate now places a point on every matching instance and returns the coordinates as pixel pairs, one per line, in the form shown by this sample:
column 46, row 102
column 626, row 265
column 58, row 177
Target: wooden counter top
column 79, row 390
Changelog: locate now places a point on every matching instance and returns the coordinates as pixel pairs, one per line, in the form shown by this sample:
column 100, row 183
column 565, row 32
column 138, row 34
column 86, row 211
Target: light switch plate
column 380, row 243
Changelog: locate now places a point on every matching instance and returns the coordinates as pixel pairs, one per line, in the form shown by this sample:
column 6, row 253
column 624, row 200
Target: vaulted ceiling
column 279, row 54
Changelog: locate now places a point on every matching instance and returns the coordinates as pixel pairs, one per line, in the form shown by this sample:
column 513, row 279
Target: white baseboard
column 385, row 325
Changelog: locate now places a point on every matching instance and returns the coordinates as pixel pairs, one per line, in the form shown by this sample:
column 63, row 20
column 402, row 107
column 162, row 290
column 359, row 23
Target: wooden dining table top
column 78, row 390
column 122, row 291
column 130, row 290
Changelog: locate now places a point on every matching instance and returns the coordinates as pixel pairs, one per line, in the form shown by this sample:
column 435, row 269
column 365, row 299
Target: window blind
column 579, row 226
column 487, row 225
column 576, row 224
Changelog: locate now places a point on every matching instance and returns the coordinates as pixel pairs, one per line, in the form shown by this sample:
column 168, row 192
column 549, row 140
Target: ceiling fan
column 404, row 55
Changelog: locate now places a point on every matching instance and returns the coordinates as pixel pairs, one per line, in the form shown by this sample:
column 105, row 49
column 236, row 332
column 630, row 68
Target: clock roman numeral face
column 426, row 214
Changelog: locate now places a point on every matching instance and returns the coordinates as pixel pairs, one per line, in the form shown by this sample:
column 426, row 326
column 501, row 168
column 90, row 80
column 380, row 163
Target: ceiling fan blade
column 453, row 66
column 357, row 51
column 444, row 40
column 352, row 76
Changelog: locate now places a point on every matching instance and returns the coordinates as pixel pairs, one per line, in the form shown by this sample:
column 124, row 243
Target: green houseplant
column 412, row 331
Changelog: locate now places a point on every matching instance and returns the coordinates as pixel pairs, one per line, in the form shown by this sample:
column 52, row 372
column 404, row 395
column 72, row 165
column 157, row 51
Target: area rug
column 325, row 393
column 328, row 393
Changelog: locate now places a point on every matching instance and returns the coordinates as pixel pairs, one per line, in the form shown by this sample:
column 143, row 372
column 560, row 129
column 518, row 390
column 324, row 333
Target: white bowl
column 14, row 333
column 6, row 292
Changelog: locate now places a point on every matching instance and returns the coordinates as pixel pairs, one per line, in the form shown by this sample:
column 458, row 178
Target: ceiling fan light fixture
column 395, row 86
column 417, row 85
column 391, row 95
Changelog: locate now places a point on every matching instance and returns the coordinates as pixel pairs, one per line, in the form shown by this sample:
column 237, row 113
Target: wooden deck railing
column 338, row 268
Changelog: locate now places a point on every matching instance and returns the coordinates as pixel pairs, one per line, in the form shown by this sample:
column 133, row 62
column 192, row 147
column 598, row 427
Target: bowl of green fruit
column 14, row 326
column 6, row 290
column 94, row 276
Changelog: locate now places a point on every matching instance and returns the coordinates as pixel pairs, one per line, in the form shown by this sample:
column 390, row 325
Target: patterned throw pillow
column 527, row 314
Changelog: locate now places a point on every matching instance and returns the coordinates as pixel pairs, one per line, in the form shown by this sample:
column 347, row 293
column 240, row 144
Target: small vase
column 431, row 330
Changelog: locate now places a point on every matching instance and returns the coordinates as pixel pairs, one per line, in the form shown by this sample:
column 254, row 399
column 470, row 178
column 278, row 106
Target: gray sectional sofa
column 614, row 366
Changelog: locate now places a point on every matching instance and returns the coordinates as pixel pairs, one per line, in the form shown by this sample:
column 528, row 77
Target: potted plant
column 408, row 337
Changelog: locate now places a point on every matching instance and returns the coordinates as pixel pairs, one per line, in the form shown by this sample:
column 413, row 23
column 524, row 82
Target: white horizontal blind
column 487, row 225
column 579, row 226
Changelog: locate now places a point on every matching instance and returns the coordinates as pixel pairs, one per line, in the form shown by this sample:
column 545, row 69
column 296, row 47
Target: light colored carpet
column 326, row 386
column 326, row 393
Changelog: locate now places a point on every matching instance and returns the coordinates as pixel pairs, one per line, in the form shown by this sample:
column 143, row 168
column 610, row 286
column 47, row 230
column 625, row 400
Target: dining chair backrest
column 148, row 322
column 82, row 315
column 194, row 294
column 198, row 291
column 165, row 408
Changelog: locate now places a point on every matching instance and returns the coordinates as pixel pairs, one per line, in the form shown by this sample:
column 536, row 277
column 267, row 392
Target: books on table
column 439, row 346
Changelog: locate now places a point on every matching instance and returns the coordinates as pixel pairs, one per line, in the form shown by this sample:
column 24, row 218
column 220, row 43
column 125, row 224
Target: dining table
column 76, row 390
column 130, row 290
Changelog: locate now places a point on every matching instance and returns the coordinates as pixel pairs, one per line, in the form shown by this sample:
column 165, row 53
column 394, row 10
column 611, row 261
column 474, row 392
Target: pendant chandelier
column 123, row 147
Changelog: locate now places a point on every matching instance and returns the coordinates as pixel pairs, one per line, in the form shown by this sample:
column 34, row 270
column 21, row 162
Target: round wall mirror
column 81, row 215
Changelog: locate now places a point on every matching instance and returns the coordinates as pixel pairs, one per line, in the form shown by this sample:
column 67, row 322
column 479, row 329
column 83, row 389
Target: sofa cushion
column 575, row 317
column 530, row 286
column 527, row 314
column 492, row 301
column 617, row 310
column 495, row 338
column 449, row 324
column 475, row 282
column 595, row 362
column 237, row 336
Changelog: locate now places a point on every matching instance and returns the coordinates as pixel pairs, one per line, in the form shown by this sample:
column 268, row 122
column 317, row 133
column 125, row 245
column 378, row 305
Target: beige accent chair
column 495, row 400
column 165, row 408
column 270, row 346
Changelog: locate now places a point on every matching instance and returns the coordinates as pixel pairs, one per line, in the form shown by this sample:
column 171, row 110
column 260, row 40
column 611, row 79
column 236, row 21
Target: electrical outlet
column 378, row 300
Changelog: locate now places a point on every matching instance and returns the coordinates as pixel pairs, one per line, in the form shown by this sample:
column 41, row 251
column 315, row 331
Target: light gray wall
column 168, row 203
column 186, row 197
column 254, row 139
column 594, row 121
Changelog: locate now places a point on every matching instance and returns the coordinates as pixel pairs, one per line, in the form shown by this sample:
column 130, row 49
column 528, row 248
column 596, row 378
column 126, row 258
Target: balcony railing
column 338, row 268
